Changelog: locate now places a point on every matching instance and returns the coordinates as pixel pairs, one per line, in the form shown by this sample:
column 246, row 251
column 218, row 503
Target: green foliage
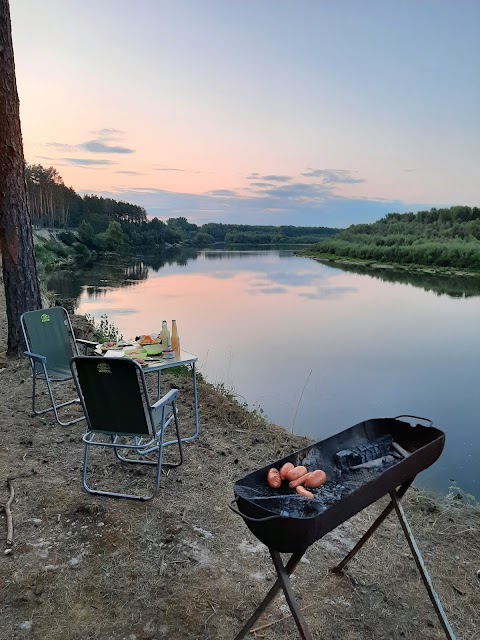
column 446, row 238
column 103, row 330
column 457, row 493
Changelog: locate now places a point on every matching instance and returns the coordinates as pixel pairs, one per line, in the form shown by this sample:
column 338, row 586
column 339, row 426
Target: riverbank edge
column 394, row 266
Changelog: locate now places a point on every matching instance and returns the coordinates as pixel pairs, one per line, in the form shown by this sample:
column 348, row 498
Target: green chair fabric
column 114, row 397
column 50, row 343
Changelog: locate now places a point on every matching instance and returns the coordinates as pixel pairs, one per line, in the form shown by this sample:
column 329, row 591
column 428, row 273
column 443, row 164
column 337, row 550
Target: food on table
column 139, row 360
column 295, row 473
column 304, row 493
column 148, row 339
column 315, row 479
column 273, row 479
column 288, row 466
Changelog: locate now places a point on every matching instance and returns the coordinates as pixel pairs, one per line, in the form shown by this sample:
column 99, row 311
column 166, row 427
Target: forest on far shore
column 446, row 238
column 105, row 224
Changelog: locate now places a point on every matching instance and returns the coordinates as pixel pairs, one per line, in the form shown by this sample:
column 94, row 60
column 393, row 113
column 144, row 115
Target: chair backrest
column 49, row 333
column 113, row 395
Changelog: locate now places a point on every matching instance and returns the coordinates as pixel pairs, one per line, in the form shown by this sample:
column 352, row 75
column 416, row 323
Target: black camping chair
column 119, row 415
column 51, row 344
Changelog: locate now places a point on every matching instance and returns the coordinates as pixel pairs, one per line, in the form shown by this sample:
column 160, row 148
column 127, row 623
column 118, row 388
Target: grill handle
column 232, row 508
column 407, row 415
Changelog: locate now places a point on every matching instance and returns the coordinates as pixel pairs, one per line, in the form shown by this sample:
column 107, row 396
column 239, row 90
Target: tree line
column 447, row 237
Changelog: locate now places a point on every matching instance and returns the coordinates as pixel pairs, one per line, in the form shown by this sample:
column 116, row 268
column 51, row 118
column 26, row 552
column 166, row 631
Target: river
column 311, row 347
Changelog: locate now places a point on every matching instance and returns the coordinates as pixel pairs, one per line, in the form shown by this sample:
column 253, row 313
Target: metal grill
column 372, row 459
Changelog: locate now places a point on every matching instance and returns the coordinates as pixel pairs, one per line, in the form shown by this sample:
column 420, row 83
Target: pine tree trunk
column 20, row 279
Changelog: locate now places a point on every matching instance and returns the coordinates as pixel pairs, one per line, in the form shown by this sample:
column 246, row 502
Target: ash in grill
column 346, row 472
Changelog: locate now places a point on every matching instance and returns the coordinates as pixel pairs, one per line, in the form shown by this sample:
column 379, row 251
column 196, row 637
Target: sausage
column 304, row 493
column 298, row 481
column 315, row 479
column 273, row 479
column 139, row 360
column 288, row 466
column 295, row 473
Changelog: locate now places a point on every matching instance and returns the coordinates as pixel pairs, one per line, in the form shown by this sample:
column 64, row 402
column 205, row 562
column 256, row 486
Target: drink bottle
column 165, row 335
column 175, row 338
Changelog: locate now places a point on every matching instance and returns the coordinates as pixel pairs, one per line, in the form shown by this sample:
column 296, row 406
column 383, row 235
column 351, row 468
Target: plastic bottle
column 165, row 335
column 175, row 338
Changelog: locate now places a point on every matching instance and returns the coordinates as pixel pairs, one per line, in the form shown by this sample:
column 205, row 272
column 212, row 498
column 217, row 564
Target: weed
column 104, row 330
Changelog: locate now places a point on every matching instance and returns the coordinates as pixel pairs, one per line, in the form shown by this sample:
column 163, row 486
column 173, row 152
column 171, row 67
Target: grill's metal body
column 288, row 523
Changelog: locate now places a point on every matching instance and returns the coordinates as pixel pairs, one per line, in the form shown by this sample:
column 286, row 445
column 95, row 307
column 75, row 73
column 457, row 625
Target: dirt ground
column 183, row 566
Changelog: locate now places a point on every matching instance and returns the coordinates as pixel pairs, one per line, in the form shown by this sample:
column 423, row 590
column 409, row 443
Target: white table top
column 154, row 363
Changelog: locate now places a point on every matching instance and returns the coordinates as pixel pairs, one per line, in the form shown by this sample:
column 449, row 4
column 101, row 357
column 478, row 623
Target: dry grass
column 183, row 566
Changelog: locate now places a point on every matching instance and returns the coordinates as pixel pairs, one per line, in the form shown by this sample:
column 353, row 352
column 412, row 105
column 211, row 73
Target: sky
column 301, row 112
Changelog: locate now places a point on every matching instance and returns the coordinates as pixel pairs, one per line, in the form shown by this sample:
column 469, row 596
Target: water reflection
column 318, row 347
column 455, row 286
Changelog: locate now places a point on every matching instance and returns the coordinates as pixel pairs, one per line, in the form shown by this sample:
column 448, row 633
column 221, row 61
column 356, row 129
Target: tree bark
column 22, row 291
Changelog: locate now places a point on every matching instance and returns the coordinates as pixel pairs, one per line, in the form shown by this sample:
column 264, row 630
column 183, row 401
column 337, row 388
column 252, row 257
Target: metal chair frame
column 158, row 417
column 39, row 363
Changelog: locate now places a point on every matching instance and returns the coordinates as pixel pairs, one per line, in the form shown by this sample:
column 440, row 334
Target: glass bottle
column 165, row 335
column 175, row 338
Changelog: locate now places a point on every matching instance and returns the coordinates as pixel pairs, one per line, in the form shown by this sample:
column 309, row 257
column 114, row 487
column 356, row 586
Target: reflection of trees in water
column 455, row 286
column 111, row 273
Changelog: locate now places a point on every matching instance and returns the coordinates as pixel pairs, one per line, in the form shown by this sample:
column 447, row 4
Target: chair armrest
column 86, row 346
column 168, row 398
column 35, row 356
column 157, row 409
column 86, row 343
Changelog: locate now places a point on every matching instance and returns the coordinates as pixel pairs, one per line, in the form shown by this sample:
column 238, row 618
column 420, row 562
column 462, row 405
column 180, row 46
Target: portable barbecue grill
column 363, row 463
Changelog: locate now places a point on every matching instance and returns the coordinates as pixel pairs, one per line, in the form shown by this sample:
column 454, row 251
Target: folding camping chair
column 51, row 343
column 114, row 397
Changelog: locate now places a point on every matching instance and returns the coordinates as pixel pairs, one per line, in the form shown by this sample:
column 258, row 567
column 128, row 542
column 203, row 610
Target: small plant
column 259, row 413
column 104, row 330
column 457, row 493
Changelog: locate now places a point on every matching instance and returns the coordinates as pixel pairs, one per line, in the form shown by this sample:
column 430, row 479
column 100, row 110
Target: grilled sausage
column 304, row 493
column 273, row 479
column 298, row 481
column 315, row 479
column 288, row 466
column 295, row 473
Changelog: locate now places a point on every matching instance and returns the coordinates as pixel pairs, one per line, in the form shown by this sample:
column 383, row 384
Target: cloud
column 277, row 178
column 332, row 176
column 262, row 185
column 60, row 146
column 160, row 168
column 107, row 133
column 97, row 146
column 222, row 193
column 131, row 173
column 86, row 162
column 253, row 176
column 290, row 204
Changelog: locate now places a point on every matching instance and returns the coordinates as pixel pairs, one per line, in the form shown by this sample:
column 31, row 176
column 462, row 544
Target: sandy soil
column 184, row 566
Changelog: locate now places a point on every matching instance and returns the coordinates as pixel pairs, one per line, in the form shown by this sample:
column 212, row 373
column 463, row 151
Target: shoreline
column 372, row 264
column 92, row 567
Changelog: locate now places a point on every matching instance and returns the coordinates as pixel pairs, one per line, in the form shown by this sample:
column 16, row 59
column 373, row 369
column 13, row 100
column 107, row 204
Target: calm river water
column 317, row 348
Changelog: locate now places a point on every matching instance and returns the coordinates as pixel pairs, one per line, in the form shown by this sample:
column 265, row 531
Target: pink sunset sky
column 271, row 112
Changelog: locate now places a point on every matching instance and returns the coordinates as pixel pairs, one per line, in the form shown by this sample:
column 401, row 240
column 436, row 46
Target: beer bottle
column 175, row 338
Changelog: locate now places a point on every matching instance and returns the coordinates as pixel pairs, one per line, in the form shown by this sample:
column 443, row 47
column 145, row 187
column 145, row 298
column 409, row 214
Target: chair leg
column 113, row 494
column 54, row 406
column 171, row 465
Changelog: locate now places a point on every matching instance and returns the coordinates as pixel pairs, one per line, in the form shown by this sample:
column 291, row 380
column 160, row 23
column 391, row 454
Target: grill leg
column 283, row 573
column 421, row 567
column 388, row 509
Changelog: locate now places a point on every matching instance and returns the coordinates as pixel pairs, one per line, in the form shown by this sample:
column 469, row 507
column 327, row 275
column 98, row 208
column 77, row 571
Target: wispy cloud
column 292, row 204
column 332, row 176
column 131, row 173
column 87, row 162
column 222, row 193
column 109, row 133
column 262, row 185
column 162, row 168
column 98, row 146
column 277, row 178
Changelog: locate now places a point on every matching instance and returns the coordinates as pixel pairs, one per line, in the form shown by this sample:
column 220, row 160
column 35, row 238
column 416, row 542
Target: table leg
column 195, row 406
